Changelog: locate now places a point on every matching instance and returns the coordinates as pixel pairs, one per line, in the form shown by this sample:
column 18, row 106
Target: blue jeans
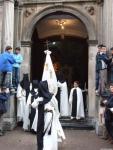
column 6, row 79
column 111, row 75
column 97, row 80
column 16, row 77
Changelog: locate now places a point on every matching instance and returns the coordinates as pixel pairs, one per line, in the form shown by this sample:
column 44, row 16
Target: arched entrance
column 68, row 43
column 89, row 26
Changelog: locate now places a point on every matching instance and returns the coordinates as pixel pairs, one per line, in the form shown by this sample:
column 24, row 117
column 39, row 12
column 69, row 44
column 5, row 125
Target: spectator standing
column 109, row 114
column 6, row 65
column 16, row 67
column 103, row 61
column 111, row 66
column 97, row 67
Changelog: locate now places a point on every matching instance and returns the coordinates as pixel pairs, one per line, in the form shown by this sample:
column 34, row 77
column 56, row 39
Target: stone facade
column 21, row 18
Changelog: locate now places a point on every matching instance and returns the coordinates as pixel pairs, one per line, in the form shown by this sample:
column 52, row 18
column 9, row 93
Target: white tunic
column 23, row 107
column 34, row 124
column 51, row 141
column 80, row 104
column 64, row 104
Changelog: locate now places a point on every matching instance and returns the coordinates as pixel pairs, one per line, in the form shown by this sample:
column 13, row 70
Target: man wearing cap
column 6, row 65
column 16, row 67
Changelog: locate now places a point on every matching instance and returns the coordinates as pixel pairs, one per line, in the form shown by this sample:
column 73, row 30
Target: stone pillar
column 1, row 18
column 10, row 116
column 91, row 78
column 7, row 39
column 99, row 23
column 8, row 23
column 16, row 25
column 108, row 23
column 26, row 53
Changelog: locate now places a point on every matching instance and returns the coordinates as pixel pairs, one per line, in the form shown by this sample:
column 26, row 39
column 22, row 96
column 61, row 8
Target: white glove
column 111, row 109
column 59, row 84
column 36, row 102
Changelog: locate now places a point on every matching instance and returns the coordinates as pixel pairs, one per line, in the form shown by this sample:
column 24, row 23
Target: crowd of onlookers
column 104, row 89
column 10, row 67
column 10, row 62
column 9, row 77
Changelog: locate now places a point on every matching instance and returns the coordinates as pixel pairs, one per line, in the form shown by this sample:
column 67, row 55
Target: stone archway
column 28, row 30
column 26, row 41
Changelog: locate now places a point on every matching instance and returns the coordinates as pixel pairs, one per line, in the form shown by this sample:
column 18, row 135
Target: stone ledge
column 27, row 2
column 9, row 124
column 99, row 129
column 84, row 124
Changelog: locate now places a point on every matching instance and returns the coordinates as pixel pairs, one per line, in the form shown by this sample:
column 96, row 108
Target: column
column 91, row 78
column 1, row 18
column 7, row 39
column 8, row 23
column 99, row 23
column 10, row 116
column 26, row 53
column 16, row 25
column 108, row 23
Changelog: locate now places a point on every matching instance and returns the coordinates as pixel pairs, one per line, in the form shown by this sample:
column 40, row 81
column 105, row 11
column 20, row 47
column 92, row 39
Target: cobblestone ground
column 75, row 140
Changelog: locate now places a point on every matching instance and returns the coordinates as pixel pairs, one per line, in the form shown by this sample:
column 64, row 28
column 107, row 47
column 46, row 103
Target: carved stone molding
column 90, row 10
column 100, row 1
column 29, row 11
column 92, row 42
column 26, row 43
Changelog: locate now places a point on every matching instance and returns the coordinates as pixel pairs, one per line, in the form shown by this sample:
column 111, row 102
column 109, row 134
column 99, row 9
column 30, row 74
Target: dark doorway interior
column 70, row 52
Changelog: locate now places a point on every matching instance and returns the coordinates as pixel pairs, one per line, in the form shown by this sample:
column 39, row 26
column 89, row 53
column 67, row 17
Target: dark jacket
column 4, row 96
column 99, row 58
column 110, row 101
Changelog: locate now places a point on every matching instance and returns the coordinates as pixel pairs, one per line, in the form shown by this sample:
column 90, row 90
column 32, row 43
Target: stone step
column 83, row 124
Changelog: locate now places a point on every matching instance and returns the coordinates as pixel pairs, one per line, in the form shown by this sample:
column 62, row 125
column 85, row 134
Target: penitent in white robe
column 80, row 104
column 50, row 142
column 64, row 104
column 22, row 107
column 34, row 124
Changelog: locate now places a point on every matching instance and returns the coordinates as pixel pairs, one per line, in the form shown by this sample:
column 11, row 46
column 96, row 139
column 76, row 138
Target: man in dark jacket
column 109, row 113
column 102, row 61
column 97, row 67
column 6, row 65
column 111, row 66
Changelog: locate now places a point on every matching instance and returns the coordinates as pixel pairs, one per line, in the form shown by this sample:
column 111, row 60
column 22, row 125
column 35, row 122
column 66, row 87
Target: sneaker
column 97, row 92
column 71, row 117
column 12, row 91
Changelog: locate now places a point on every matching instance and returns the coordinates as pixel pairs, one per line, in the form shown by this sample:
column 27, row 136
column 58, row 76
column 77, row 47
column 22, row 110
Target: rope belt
column 50, row 123
column 47, row 110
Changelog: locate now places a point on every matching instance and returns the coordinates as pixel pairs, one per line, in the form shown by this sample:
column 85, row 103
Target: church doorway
column 66, row 37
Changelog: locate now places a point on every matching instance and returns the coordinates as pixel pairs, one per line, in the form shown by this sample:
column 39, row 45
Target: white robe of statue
column 80, row 104
column 49, row 74
column 51, row 141
column 64, row 104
